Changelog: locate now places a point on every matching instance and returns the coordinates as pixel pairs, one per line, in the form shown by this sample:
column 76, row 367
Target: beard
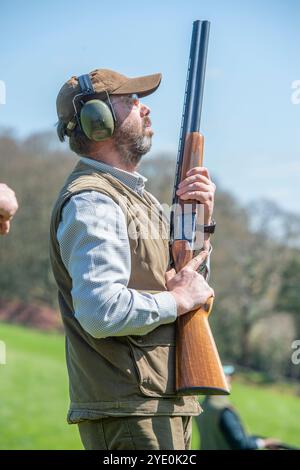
column 132, row 143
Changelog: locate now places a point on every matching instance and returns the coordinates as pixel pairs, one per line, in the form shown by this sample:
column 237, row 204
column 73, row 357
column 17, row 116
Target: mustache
column 147, row 122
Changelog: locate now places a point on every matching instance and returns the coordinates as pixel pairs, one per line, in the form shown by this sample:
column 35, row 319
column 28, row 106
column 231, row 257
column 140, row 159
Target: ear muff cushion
column 96, row 120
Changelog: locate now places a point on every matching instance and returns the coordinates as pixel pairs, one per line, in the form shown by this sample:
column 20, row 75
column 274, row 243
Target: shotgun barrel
column 193, row 97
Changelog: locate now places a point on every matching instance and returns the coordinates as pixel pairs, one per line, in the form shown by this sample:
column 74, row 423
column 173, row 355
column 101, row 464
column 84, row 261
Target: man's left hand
column 197, row 186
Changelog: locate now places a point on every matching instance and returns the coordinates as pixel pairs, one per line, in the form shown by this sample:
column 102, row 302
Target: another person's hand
column 271, row 443
column 188, row 287
column 198, row 186
column 8, row 207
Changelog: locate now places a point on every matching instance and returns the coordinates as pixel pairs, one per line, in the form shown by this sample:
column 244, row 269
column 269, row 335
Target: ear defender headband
column 95, row 118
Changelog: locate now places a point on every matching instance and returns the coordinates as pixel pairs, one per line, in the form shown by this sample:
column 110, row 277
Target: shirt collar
column 135, row 180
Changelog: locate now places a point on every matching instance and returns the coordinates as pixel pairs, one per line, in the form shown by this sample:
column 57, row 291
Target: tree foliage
column 255, row 263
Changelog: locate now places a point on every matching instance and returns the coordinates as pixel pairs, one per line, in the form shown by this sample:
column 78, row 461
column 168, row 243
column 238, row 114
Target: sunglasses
column 132, row 98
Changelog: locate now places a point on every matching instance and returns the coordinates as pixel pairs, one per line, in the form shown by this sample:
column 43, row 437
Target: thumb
column 197, row 260
column 169, row 275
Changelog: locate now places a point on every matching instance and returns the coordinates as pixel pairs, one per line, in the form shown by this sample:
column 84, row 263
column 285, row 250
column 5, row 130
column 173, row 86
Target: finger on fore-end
column 195, row 262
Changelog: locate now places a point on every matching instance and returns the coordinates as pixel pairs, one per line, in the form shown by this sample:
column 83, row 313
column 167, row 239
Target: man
column 221, row 428
column 8, row 208
column 118, row 303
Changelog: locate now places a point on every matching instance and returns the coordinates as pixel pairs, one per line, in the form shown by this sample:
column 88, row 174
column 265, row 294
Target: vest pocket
column 155, row 365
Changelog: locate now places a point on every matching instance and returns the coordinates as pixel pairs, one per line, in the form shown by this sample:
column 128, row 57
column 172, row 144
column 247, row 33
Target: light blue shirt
column 97, row 258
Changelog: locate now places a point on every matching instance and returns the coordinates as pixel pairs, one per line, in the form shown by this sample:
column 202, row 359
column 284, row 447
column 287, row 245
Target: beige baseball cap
column 104, row 80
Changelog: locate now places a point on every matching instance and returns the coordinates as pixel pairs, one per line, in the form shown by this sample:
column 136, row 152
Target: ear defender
column 96, row 118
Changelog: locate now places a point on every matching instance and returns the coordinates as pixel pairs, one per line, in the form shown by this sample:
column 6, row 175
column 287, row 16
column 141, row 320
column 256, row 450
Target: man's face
column 133, row 133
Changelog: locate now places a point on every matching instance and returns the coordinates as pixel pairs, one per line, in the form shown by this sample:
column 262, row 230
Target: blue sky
column 250, row 125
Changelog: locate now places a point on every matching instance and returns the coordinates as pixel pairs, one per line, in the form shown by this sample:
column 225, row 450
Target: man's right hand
column 188, row 287
column 8, row 207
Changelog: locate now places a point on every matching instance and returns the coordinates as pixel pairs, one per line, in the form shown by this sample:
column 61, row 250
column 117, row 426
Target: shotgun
column 198, row 366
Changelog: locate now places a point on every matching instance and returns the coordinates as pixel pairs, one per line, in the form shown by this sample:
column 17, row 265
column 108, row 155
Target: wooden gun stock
column 198, row 366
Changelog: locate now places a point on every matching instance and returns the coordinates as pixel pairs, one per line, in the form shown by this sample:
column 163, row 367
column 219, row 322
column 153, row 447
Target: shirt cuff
column 167, row 307
column 260, row 443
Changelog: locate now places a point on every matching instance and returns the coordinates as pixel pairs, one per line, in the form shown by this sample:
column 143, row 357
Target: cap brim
column 142, row 86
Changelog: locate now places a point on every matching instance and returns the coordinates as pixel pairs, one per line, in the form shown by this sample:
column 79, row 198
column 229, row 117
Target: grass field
column 34, row 398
